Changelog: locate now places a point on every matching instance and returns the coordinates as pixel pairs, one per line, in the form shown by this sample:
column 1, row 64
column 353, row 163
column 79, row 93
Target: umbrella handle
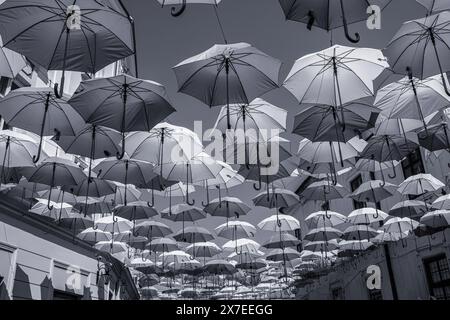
column 192, row 202
column 394, row 172
column 207, row 196
column 152, row 204
column 347, row 33
column 129, row 256
column 178, row 12
column 258, row 186
column 95, row 227
column 120, row 155
column 311, row 20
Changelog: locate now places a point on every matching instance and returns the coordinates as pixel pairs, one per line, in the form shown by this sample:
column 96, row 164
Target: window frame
column 357, row 204
column 432, row 285
column 9, row 283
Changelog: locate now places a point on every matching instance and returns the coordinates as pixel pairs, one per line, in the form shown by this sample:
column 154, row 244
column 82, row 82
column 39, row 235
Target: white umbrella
column 419, row 184
column 280, row 222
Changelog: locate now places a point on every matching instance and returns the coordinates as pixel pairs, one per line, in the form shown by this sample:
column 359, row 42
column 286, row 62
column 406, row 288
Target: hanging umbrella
column 284, row 240
column 419, row 184
column 219, row 267
column 435, row 137
column 123, row 103
column 228, row 74
column 183, row 213
column 135, row 211
column 200, row 167
column 359, row 232
column 325, row 219
column 326, row 123
column 329, row 15
column 183, row 3
column 57, row 195
column 122, row 194
column 400, row 225
column 113, row 224
column 94, row 188
column 369, row 165
column 373, row 191
column 92, row 235
column 134, row 241
column 324, row 190
column 384, row 237
column 287, row 254
column 242, row 246
column 276, row 198
column 280, row 223
column 50, row 33
column 55, row 172
column 408, row 208
column 125, row 171
column 11, row 63
column 367, row 216
column 111, row 246
column 421, row 48
column 53, row 212
column 395, row 126
column 322, row 246
column 335, row 76
column 38, row 110
column 351, row 246
column 152, row 229
column 435, row 5
column 93, row 206
column 193, row 235
column 323, row 234
column 16, row 150
column 236, row 230
column 75, row 221
column 162, row 245
column 436, row 219
column 442, row 203
column 227, row 207
column 203, row 249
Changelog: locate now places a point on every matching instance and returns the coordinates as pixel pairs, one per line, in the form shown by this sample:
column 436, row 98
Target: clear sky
column 163, row 41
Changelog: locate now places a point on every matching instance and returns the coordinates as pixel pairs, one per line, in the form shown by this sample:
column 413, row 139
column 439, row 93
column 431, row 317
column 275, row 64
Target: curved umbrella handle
column 347, row 33
column 120, row 155
column 311, row 20
column 178, row 12
column 327, row 215
column 394, row 172
column 95, row 227
column 129, row 256
column 192, row 202
column 151, row 204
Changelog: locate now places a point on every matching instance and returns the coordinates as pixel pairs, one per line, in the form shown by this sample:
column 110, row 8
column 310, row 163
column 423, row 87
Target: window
column 63, row 295
column 298, row 235
column 438, row 276
column 413, row 164
column 4, row 84
column 354, row 184
column 7, row 262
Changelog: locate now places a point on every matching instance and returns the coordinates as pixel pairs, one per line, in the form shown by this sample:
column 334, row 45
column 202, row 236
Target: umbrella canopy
column 111, row 247
column 92, row 235
column 276, row 198
column 152, row 229
column 373, row 191
column 193, row 234
column 162, row 245
column 280, row 241
column 97, row 188
column 322, row 246
column 236, row 230
column 113, row 224
column 324, row 190
column 325, row 219
column 435, row 5
column 135, row 211
column 355, row 245
column 183, row 212
column 76, row 221
column 227, row 207
column 335, row 76
column 435, row 137
column 359, row 232
column 123, row 103
column 280, row 222
column 287, row 254
column 52, row 212
column 242, row 246
column 16, row 150
column 436, row 219
column 39, row 30
column 323, row 234
column 367, row 216
column 330, row 123
column 388, row 148
column 400, row 225
column 203, row 249
column 408, row 208
column 40, row 111
column 442, row 203
column 219, row 267
column 11, row 63
column 420, row 184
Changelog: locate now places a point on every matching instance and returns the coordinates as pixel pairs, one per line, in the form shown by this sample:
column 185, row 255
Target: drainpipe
column 390, row 272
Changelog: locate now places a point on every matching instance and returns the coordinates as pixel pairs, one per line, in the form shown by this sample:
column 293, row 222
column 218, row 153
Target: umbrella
column 326, row 123
column 111, row 246
column 282, row 254
column 122, row 194
column 280, row 222
column 324, row 190
column 135, row 211
column 203, row 249
column 435, row 137
column 323, row 234
column 369, row 165
column 134, row 241
column 93, row 188
column 183, row 212
column 38, row 110
column 152, row 229
column 335, row 76
column 228, row 74
column 387, row 237
column 442, row 203
column 123, row 103
column 329, row 15
column 16, row 150
column 436, row 219
column 322, row 246
column 435, row 5
column 219, row 267
column 400, row 225
column 419, row 184
column 55, row 172
column 193, row 234
column 11, row 63
column 283, row 240
column 92, row 235
column 427, row 95
column 242, row 246
column 200, row 167
column 236, row 230
column 395, row 126
column 227, row 207
column 55, row 35
column 367, row 216
column 52, row 212
column 57, row 195
column 373, row 191
column 76, row 222
column 126, row 172
column 359, row 232
column 408, row 208
column 162, row 245
column 420, row 48
column 276, row 198
column 355, row 245
column 325, row 219
column 113, row 224
column 93, row 206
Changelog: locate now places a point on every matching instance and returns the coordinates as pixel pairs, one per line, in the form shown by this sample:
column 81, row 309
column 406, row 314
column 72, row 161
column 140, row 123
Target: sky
column 163, row 41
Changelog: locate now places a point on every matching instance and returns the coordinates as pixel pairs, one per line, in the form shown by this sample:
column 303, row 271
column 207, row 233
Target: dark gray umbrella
column 38, row 110
column 193, row 234
column 123, row 103
column 330, row 15
column 72, row 35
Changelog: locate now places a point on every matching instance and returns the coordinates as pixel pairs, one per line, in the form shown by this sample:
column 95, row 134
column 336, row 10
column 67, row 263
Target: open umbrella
column 228, row 74
column 421, row 48
column 227, row 207
column 325, row 219
column 38, row 110
column 152, row 229
column 420, row 184
column 280, row 223
column 408, row 208
column 236, row 230
column 219, row 267
column 193, row 235
column 367, row 216
column 435, row 5
column 183, row 4
column 182, row 213
column 123, row 103
column 67, row 35
column 11, row 63
column 284, row 240
column 135, row 211
column 329, row 15
column 93, row 236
